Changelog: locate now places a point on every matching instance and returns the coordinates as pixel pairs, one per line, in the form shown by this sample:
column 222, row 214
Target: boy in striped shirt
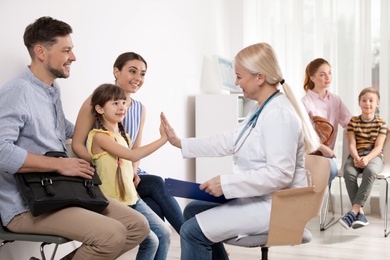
column 366, row 137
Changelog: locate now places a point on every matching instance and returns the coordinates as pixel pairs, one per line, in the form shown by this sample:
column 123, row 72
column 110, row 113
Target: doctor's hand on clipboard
column 213, row 186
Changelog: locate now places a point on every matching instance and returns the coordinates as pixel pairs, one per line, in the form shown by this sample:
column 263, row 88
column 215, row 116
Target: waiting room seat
column 324, row 224
column 305, row 203
column 8, row 237
column 383, row 176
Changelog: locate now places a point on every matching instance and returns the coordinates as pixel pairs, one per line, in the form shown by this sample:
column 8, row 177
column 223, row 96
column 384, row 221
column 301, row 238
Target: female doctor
column 268, row 153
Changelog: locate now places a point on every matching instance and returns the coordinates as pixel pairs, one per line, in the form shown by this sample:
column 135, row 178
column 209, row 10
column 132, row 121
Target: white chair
column 384, row 176
column 306, row 204
column 328, row 201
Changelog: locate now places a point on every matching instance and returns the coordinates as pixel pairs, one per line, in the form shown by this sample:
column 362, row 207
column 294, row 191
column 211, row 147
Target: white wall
column 177, row 39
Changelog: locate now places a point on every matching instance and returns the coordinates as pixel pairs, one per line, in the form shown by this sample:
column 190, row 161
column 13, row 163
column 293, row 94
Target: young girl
column 129, row 70
column 366, row 137
column 108, row 145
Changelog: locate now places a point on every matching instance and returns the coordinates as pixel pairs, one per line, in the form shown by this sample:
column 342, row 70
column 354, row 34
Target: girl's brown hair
column 311, row 69
column 101, row 95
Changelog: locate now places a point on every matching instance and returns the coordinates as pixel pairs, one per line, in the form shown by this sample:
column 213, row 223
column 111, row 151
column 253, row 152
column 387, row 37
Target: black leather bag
column 49, row 191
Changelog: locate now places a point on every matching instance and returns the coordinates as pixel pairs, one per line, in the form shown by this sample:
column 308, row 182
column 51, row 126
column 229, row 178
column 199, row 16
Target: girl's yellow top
column 106, row 166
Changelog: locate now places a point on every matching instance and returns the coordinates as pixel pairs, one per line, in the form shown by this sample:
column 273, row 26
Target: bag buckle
column 47, row 185
column 46, row 181
column 89, row 184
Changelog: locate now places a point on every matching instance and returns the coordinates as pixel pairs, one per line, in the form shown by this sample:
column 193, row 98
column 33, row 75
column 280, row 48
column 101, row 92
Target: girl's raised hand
column 163, row 134
column 172, row 137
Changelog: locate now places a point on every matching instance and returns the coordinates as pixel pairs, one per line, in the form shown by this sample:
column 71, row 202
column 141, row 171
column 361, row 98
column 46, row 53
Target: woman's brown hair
column 125, row 57
column 311, row 69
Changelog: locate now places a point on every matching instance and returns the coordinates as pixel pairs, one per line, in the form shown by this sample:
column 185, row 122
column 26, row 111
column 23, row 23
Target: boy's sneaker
column 360, row 221
column 347, row 220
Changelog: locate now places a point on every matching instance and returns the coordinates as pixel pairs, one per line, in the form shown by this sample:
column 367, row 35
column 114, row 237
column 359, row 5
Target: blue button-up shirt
column 31, row 120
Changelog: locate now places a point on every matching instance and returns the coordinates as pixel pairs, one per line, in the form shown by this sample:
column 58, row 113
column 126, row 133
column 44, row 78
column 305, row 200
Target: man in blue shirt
column 33, row 123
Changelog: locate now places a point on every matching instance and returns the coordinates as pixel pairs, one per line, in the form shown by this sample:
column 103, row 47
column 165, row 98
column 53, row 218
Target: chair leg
column 324, row 214
column 264, row 253
column 43, row 252
column 386, row 207
column 341, row 197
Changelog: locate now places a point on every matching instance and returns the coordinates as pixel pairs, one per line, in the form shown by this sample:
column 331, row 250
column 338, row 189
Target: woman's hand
column 327, row 152
column 212, row 186
column 172, row 137
column 136, row 180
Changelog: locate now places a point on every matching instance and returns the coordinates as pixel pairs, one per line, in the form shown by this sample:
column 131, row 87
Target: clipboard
column 189, row 190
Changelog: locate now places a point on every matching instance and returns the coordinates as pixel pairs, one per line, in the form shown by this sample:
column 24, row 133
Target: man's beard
column 57, row 73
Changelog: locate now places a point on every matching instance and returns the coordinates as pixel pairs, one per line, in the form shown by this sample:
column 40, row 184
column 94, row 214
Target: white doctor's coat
column 267, row 158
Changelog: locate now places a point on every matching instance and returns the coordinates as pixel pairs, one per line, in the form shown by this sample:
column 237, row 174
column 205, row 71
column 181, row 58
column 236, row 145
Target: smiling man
column 33, row 123
column 51, row 49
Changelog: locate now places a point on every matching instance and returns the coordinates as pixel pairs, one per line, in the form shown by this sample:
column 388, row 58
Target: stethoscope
column 252, row 123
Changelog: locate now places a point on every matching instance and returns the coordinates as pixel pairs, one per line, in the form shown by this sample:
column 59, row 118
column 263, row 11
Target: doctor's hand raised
column 212, row 186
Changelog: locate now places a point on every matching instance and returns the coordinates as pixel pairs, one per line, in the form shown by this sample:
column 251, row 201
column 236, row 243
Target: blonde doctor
column 268, row 154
